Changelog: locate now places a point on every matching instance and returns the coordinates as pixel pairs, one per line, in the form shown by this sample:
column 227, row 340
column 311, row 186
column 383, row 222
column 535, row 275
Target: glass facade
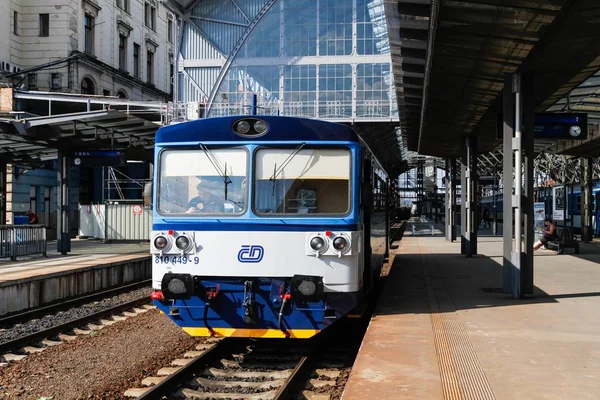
column 327, row 59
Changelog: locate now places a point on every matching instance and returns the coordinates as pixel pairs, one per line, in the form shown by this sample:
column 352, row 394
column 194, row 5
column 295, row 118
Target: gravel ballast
column 48, row 321
column 98, row 366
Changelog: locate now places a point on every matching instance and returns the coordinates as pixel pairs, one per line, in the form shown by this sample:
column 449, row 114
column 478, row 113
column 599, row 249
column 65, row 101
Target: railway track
column 54, row 308
column 19, row 348
column 245, row 369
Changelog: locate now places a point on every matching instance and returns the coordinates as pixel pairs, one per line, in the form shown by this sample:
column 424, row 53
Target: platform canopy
column 98, row 123
column 450, row 58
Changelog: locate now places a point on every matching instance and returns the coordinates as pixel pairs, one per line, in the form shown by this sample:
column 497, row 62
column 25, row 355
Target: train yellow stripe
column 253, row 333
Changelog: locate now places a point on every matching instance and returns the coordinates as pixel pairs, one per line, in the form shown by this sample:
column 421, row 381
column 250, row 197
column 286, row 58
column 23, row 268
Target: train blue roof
column 280, row 129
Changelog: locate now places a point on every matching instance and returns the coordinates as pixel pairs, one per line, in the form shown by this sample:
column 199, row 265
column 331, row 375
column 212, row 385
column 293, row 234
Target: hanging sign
column 560, row 126
column 137, row 209
column 554, row 126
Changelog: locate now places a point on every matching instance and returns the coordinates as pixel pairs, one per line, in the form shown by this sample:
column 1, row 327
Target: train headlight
column 317, row 243
column 182, row 243
column 260, row 127
column 340, row 243
column 243, row 127
column 161, row 243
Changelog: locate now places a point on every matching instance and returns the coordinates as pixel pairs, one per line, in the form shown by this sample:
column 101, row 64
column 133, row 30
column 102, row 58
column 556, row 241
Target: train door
column 596, row 213
column 367, row 207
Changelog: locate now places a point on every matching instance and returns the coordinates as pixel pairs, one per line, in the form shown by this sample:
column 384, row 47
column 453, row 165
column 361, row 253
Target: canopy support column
column 451, row 199
column 518, row 175
column 469, row 215
column 587, row 201
column 63, row 236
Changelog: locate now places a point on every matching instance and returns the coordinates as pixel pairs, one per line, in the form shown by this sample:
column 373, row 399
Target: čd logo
column 251, row 253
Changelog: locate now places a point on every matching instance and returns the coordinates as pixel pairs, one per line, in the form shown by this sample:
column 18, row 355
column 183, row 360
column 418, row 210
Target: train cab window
column 308, row 181
column 203, row 182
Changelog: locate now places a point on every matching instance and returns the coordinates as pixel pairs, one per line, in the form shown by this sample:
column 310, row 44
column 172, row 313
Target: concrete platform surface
column 84, row 254
column 443, row 329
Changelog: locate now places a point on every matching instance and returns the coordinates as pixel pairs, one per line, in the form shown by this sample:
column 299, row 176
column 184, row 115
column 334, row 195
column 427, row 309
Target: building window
column 170, row 30
column 123, row 5
column 88, row 24
column 150, row 16
column 55, row 83
column 122, row 94
column 123, row 52
column 87, row 86
column 44, row 24
column 149, row 66
column 136, row 60
column 106, row 92
column 171, row 77
column 32, row 81
column 15, row 22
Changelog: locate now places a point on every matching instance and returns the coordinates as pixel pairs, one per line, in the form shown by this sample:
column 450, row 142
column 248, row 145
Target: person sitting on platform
column 549, row 234
column 33, row 219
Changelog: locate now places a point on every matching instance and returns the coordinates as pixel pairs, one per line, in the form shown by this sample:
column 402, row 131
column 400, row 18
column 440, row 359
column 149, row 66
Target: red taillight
column 157, row 295
column 171, row 232
column 328, row 233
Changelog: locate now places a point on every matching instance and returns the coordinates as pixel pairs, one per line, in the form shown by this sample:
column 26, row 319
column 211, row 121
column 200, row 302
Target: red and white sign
column 137, row 209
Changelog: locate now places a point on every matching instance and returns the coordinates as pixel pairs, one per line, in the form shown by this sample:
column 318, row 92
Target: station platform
column 443, row 329
column 91, row 266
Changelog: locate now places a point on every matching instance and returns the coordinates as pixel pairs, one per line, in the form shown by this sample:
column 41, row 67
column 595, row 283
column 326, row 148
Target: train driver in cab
column 205, row 202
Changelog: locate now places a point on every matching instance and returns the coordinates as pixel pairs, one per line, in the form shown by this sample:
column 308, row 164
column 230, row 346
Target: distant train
column 265, row 226
column 554, row 204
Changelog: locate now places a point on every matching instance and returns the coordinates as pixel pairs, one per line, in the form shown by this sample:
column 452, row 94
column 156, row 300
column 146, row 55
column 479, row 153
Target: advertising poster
column 539, row 212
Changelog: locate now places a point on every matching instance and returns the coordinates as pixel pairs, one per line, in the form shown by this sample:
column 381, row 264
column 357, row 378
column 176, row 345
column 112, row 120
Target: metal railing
column 22, row 240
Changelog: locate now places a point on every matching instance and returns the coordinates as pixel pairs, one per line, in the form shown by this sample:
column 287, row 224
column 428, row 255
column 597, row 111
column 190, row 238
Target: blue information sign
column 555, row 126
column 99, row 158
column 560, row 126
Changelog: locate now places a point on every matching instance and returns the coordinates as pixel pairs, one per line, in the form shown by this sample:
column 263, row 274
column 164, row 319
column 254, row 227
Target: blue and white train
column 553, row 198
column 265, row 226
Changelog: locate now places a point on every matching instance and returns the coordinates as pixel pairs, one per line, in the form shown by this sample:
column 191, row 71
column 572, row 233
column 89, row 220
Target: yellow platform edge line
column 253, row 333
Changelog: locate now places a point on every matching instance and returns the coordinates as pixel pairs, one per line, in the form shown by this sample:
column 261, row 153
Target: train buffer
column 564, row 241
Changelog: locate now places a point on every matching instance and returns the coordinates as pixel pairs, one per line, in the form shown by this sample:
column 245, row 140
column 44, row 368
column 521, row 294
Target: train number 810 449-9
column 176, row 260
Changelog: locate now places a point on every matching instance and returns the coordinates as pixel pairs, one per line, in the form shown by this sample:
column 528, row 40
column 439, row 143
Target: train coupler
column 250, row 309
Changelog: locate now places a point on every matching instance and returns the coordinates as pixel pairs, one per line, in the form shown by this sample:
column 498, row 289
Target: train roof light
column 260, row 126
column 243, row 127
column 250, row 127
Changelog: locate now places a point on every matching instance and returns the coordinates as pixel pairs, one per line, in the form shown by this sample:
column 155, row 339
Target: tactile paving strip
column 461, row 374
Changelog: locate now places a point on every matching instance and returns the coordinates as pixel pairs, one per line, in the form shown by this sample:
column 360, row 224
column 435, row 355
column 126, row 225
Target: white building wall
column 66, row 25
column 5, row 38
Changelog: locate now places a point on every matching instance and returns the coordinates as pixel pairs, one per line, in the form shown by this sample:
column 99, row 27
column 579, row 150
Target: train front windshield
column 302, row 181
column 287, row 182
column 203, row 182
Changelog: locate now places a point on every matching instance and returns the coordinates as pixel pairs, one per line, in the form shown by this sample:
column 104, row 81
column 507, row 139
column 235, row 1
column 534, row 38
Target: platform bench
column 565, row 241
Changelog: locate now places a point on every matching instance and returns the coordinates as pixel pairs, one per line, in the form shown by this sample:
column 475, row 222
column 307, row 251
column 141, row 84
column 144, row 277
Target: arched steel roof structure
column 313, row 58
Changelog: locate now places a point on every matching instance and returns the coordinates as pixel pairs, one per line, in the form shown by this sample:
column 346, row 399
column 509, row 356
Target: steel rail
column 30, row 314
column 50, row 332
column 171, row 382
column 298, row 377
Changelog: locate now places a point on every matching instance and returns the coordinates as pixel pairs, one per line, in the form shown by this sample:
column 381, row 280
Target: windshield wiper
column 286, row 162
column 277, row 171
column 216, row 165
